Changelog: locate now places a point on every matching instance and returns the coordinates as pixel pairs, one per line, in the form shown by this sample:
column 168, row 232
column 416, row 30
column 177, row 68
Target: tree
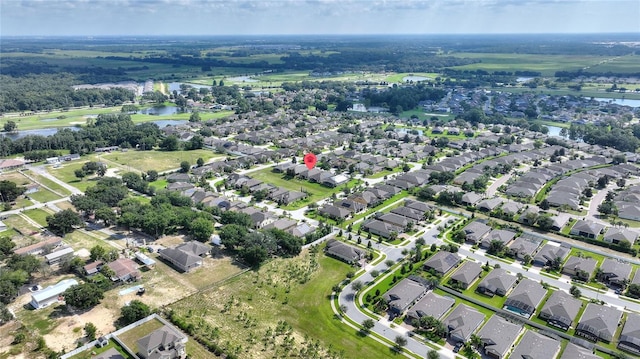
column 544, row 204
column 152, row 175
column 432, row 354
column 6, row 247
column 574, row 291
column 400, row 342
column 90, row 329
column 496, row 248
column 97, row 252
column 201, row 229
column 9, row 191
column 170, row 143
column 634, row 291
column 10, row 126
column 185, row 166
column 195, row 117
column 64, row 222
column 357, row 285
column 367, row 325
column 83, row 296
column 200, row 162
column 133, row 312
column 232, row 235
column 106, row 215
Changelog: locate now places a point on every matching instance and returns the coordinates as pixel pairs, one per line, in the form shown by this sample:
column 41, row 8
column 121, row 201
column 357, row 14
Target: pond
column 403, row 131
column 413, row 78
column 39, row 132
column 242, row 79
column 165, row 123
column 620, row 101
column 554, row 130
column 175, row 86
column 161, row 111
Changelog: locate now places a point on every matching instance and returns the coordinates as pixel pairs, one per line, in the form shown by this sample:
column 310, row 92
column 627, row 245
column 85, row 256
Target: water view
column 620, row 101
column 175, row 86
column 413, row 78
column 161, row 111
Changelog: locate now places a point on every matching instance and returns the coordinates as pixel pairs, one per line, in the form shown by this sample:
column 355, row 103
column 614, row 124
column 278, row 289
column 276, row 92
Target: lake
column 242, row 79
column 161, row 111
column 619, row 101
column 175, row 86
column 51, row 131
column 414, row 78
column 554, row 130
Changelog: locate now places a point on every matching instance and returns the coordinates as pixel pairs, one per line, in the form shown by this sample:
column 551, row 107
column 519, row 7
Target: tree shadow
column 350, row 297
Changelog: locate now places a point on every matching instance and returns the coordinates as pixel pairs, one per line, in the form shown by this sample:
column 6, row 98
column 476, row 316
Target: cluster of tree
column 10, row 191
column 16, row 270
column 254, row 247
column 172, row 143
column 622, row 139
column 402, row 98
column 40, row 155
column 608, row 206
column 106, row 130
column 98, row 200
column 44, row 92
column 63, row 222
column 90, row 168
column 478, row 185
column 137, row 183
column 167, row 213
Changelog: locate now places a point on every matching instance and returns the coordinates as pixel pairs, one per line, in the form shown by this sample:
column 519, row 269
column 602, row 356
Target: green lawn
column 130, row 337
column 586, row 254
column 49, row 183
column 38, row 215
column 157, row 160
column 20, row 224
column 496, row 301
column 293, row 290
column 44, row 195
column 315, row 191
column 377, row 208
column 66, row 174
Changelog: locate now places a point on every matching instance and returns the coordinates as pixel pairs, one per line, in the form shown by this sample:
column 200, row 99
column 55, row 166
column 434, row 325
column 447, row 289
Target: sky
column 302, row 17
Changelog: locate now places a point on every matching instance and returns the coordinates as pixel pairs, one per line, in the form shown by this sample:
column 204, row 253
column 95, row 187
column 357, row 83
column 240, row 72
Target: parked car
column 150, row 249
column 457, row 347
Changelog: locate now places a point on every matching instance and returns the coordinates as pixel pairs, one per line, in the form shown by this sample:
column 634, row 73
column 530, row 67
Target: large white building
column 51, row 294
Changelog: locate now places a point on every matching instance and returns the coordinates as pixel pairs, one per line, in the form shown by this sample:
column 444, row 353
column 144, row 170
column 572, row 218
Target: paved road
column 42, row 171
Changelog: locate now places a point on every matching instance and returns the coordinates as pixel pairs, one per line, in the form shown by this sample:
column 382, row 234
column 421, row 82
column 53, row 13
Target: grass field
column 130, row 337
column 88, row 354
column 20, row 224
column 38, row 215
column 49, row 183
column 316, row 191
column 157, row 160
column 547, row 65
column 66, row 174
column 247, row 311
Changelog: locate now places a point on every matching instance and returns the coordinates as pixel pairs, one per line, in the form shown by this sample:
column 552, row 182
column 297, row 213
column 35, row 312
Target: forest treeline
column 49, row 91
column 105, row 130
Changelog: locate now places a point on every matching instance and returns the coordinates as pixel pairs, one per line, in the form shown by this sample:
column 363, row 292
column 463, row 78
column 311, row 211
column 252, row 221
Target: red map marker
column 310, row 160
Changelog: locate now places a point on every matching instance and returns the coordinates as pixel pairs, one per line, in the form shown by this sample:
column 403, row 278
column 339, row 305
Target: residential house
column 501, row 235
column 442, row 262
column 490, row 204
column 498, row 335
column 51, row 294
column 346, row 252
column 523, row 246
column 58, row 256
column 629, row 340
column 580, row 268
column 525, row 298
column 431, row 305
column 334, row 212
column 411, row 214
column 614, row 272
column 179, row 177
column 497, row 282
column 403, row 295
column 476, row 231
column 615, row 235
column 283, row 224
column 462, row 322
column 111, row 353
column 381, row 228
column 195, row 248
column 466, row 274
column 533, row 345
column 471, row 198
column 93, row 268
column 587, row 229
column 548, row 253
column 395, row 220
column 560, row 310
column 184, row 261
column 598, row 322
column 574, row 351
column 39, row 247
column 124, row 270
column 164, row 343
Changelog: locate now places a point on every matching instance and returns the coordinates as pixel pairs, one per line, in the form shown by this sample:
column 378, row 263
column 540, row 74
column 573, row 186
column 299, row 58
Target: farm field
column 157, row 160
column 261, row 305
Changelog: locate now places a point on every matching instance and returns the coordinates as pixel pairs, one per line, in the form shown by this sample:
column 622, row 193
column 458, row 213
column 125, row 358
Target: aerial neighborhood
column 194, row 213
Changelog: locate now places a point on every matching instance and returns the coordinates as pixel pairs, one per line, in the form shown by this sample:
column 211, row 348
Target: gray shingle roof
column 600, row 321
column 630, row 335
column 573, row 351
column 498, row 279
column 498, row 335
column 561, row 307
column 526, row 296
column 442, row 261
column 403, row 294
column 535, row 346
column 467, row 272
column 431, row 305
column 463, row 321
